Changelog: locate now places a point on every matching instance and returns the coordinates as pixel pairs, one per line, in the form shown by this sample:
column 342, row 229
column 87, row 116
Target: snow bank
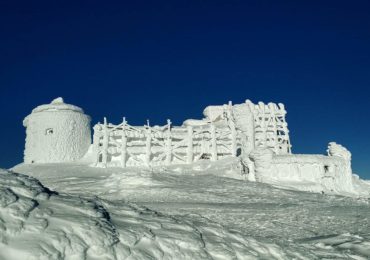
column 37, row 223
column 211, row 189
column 354, row 246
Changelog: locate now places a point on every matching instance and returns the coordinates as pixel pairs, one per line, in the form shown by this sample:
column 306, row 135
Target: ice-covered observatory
column 56, row 132
column 256, row 134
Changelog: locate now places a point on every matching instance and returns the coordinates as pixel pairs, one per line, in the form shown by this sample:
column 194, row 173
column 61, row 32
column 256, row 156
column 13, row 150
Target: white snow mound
column 37, row 223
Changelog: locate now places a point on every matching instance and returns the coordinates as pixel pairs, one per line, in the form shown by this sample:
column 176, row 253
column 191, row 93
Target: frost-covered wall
column 56, row 132
column 332, row 172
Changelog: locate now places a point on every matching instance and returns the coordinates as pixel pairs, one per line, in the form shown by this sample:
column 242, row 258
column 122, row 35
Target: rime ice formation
column 226, row 131
column 243, row 119
column 257, row 134
column 335, row 149
column 262, row 158
column 56, row 132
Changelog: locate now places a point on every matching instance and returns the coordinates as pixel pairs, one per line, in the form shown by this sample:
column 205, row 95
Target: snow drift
column 37, row 223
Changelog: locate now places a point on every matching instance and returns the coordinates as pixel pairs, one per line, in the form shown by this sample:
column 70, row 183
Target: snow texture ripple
column 234, row 218
column 37, row 223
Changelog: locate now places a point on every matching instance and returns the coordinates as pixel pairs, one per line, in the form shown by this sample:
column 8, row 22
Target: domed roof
column 57, row 105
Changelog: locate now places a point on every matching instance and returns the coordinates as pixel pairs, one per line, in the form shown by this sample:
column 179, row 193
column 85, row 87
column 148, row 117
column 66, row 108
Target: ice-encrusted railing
column 271, row 127
column 126, row 145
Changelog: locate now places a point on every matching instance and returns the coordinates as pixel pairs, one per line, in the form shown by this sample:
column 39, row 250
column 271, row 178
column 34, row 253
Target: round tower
column 56, row 132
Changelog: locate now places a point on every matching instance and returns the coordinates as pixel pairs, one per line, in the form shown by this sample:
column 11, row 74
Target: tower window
column 49, row 131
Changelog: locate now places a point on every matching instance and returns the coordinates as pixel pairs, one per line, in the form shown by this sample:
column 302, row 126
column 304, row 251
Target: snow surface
column 200, row 211
column 37, row 223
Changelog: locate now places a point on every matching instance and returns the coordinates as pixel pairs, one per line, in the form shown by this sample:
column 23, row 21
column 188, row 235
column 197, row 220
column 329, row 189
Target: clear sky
column 170, row 59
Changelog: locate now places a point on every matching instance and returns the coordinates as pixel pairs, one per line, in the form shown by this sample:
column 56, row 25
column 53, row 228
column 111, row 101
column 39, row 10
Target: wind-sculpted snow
column 270, row 222
column 37, row 223
column 334, row 246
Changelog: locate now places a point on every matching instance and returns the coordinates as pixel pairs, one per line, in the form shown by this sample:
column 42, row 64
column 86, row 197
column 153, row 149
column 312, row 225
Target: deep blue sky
column 170, row 59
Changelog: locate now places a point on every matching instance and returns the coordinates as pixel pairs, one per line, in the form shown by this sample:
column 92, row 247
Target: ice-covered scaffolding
column 225, row 131
column 125, row 145
column 270, row 126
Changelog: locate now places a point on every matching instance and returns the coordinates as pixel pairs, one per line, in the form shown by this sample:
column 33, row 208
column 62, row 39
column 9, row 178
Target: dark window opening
column 49, row 131
column 205, row 156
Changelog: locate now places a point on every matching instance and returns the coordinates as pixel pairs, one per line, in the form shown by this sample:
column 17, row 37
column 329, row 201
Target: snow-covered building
column 255, row 134
column 225, row 131
column 56, row 132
